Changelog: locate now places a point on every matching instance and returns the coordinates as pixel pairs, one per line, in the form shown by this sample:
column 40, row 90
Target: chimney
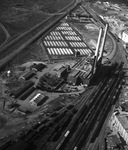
column 97, row 51
column 103, row 44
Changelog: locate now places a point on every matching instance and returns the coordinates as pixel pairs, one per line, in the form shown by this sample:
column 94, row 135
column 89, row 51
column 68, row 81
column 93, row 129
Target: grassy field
column 19, row 16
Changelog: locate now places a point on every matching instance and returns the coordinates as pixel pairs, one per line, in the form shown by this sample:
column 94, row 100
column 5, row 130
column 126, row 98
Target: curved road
column 4, row 35
column 117, row 54
column 96, row 17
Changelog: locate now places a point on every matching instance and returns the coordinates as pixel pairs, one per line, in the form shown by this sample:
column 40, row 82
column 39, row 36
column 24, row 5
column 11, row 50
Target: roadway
column 12, row 49
column 91, row 111
column 100, row 23
column 4, row 35
column 70, row 130
column 116, row 55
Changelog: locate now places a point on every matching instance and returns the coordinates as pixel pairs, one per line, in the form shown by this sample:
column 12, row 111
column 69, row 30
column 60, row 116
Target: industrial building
column 119, row 123
column 27, row 93
column 22, row 89
column 38, row 99
column 27, row 75
column 77, row 77
column 65, row 41
column 73, row 77
column 124, row 36
column 62, row 72
column 38, row 67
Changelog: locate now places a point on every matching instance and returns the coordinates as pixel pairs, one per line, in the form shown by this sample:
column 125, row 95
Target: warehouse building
column 125, row 36
column 78, row 77
column 27, row 75
column 63, row 71
column 38, row 99
column 22, row 89
column 38, row 67
column 74, row 78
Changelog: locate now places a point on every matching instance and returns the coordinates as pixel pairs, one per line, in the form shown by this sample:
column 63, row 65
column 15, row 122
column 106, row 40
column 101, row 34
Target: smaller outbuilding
column 28, row 75
column 73, row 77
column 125, row 36
column 38, row 67
column 38, row 99
column 62, row 72
column 41, row 100
column 77, row 77
column 27, row 93
column 22, row 89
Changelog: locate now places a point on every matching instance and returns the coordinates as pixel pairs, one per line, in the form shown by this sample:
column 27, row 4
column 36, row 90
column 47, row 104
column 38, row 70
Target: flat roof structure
column 126, row 31
column 119, row 123
column 63, row 42
column 123, row 120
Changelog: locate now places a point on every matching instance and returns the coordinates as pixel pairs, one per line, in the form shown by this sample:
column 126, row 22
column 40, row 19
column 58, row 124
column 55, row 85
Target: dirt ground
column 92, row 34
column 13, row 121
column 13, row 117
column 20, row 15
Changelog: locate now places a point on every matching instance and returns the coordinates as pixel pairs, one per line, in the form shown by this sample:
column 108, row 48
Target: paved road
column 4, row 35
column 111, row 56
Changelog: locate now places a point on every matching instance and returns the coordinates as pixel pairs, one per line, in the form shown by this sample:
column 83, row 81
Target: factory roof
column 126, row 31
column 123, row 120
column 74, row 73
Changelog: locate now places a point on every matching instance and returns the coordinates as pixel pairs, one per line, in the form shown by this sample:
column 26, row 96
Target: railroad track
column 86, row 127
column 77, row 127
column 101, row 23
column 9, row 51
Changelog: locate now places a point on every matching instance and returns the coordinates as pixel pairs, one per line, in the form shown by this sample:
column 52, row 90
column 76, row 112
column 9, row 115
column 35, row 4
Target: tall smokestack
column 97, row 51
column 103, row 43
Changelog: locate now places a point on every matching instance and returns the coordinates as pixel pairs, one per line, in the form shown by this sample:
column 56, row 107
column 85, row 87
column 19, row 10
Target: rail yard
column 61, row 95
